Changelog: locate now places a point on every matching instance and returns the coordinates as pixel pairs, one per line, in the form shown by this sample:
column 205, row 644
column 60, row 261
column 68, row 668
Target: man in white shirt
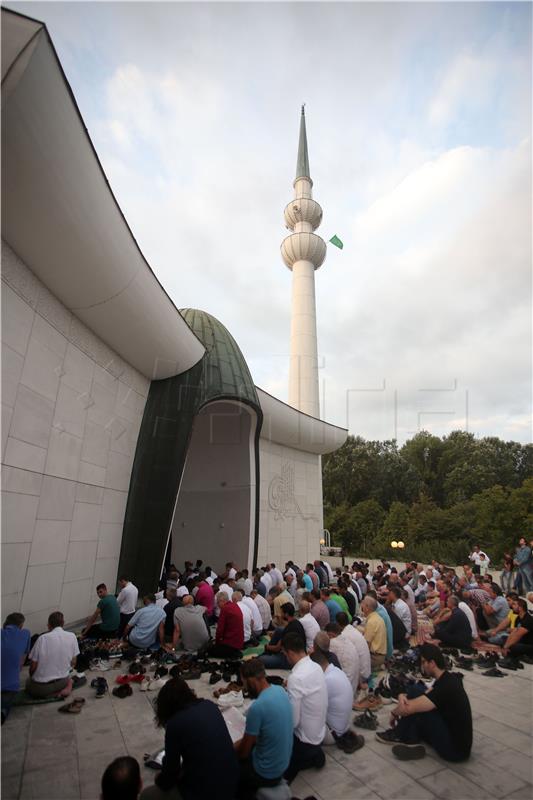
column 52, row 656
column 257, row 621
column 470, row 616
column 231, row 572
column 339, row 712
column 401, row 609
column 289, row 570
column 276, row 575
column 306, row 687
column 291, row 586
column 264, row 609
column 247, row 620
column 266, row 580
column 329, row 571
column 357, row 639
column 127, row 602
column 345, row 652
column 310, row 625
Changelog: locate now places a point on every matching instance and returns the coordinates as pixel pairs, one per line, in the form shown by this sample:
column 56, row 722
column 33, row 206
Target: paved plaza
column 51, row 756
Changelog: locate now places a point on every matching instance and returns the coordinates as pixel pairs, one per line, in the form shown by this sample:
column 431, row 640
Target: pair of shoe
column 367, row 720
column 100, row 665
column 124, row 690
column 231, row 687
column 78, row 679
column 494, row 672
column 100, row 684
column 372, row 702
column 403, row 751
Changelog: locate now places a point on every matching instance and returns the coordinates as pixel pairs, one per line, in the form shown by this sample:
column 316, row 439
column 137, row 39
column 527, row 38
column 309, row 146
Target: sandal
column 74, row 707
column 367, row 720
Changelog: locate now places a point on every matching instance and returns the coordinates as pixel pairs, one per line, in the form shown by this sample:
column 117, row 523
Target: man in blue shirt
column 265, row 750
column 333, row 607
column 147, row 626
column 15, row 648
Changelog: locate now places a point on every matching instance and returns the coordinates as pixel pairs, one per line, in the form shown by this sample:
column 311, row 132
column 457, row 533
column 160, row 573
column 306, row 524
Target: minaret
column 303, row 252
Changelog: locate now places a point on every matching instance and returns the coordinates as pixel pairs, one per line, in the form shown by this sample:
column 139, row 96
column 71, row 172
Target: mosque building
column 132, row 431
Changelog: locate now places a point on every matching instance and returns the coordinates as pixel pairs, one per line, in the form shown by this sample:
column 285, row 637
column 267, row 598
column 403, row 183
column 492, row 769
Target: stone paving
column 51, row 756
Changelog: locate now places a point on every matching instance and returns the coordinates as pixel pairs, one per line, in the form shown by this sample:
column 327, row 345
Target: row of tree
column 438, row 496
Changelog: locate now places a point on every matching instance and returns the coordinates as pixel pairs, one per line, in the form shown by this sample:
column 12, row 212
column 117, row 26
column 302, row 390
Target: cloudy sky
column 419, row 128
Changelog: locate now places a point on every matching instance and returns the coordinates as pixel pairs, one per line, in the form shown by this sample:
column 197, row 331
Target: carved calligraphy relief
column 281, row 497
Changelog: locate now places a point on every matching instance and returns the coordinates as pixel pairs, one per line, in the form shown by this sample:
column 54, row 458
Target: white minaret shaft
column 303, row 252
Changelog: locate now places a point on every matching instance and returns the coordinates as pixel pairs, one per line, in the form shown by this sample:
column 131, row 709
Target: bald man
column 190, row 626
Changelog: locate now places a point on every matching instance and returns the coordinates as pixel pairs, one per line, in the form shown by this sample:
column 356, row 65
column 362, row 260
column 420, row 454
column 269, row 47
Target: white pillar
column 303, row 366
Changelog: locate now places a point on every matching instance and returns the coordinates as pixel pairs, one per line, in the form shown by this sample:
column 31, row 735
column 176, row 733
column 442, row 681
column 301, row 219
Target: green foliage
column 439, row 496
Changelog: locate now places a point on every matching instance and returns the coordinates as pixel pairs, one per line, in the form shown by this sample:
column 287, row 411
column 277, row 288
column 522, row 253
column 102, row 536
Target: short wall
column 71, row 412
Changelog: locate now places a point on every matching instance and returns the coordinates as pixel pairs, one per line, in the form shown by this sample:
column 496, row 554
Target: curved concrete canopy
column 286, row 425
column 61, row 218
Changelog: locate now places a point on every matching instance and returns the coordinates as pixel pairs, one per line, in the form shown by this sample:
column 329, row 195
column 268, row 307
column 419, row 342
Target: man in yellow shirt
column 375, row 633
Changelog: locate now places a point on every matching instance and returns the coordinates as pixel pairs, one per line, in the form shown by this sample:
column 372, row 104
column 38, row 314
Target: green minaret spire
column 302, row 164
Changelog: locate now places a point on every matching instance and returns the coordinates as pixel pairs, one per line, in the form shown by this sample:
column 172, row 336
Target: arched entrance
column 215, row 513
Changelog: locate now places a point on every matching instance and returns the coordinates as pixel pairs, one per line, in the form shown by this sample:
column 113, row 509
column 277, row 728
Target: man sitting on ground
column 319, row 609
column 264, row 609
column 306, row 687
column 519, row 645
column 339, row 711
column 358, row 641
column 265, row 750
column 257, row 621
column 53, row 654
column 375, row 633
column 127, row 602
column 109, row 613
column 190, row 628
column 229, row 637
column 274, row 657
column 122, row 779
column 309, row 624
column 440, row 716
column 345, row 652
column 15, row 648
column 247, row 620
column 146, row 628
column 456, row 630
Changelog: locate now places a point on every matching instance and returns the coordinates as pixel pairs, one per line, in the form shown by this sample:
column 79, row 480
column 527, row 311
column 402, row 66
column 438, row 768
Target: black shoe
column 349, row 742
column 215, row 678
column 102, row 687
column 122, row 691
column 494, row 673
column 464, row 663
column 405, row 752
column 389, row 737
column 510, row 663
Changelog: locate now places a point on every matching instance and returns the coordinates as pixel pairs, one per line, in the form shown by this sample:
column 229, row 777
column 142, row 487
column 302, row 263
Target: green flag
column 337, row 242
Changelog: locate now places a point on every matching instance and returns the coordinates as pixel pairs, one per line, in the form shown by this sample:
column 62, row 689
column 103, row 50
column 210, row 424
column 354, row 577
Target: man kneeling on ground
column 308, row 694
column 440, row 716
column 265, row 750
column 53, row 654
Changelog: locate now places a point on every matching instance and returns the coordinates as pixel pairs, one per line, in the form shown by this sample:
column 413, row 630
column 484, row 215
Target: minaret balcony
column 303, row 247
column 302, row 209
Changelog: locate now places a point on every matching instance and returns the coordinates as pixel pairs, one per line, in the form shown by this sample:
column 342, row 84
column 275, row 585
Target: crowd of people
column 335, row 631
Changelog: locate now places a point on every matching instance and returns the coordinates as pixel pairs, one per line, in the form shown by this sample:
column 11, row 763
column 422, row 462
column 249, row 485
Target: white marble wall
column 290, row 505
column 71, row 413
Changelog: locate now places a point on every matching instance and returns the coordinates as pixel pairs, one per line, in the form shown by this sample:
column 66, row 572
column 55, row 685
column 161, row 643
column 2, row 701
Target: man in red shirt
column 205, row 597
column 229, row 638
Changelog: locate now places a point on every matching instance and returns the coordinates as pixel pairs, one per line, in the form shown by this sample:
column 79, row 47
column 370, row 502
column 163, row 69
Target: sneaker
column 372, row 703
column 367, row 720
column 405, row 752
column 99, row 665
column 230, row 699
column 464, row 663
column 389, row 737
column 215, row 678
column 79, row 679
